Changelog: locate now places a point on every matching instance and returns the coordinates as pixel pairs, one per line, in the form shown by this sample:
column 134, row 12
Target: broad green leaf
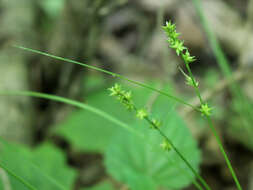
column 90, row 133
column 129, row 159
column 102, row 186
column 44, row 167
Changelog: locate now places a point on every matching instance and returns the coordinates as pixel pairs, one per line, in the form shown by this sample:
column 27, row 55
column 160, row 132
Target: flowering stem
column 177, row 44
column 223, row 152
column 210, row 124
column 218, row 140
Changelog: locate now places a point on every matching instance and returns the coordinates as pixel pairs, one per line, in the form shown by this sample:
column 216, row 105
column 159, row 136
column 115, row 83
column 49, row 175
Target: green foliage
column 82, row 127
column 133, row 162
column 129, row 159
column 44, row 167
column 126, row 98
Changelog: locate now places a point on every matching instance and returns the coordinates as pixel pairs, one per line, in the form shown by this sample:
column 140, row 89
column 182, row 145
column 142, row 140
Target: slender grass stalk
column 179, row 100
column 75, row 104
column 20, row 179
column 109, row 118
column 223, row 152
column 177, row 44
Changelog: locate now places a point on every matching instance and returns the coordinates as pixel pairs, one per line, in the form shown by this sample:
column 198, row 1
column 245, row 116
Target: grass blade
column 109, row 73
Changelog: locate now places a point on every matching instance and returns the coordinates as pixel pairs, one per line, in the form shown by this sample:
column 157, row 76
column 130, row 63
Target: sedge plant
column 125, row 98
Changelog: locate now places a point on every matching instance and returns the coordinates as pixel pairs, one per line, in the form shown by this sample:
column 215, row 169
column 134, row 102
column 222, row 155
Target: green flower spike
column 205, row 110
column 115, row 90
column 170, row 30
column 175, row 43
column 124, row 97
column 178, row 46
column 166, row 145
column 128, row 95
column 169, row 27
column 188, row 58
column 141, row 114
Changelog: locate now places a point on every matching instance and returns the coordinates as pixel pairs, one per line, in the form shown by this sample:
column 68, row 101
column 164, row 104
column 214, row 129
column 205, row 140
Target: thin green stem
column 21, row 180
column 109, row 73
column 223, row 152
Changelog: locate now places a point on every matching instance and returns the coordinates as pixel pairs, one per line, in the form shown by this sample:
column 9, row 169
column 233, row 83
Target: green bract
column 189, row 80
column 124, row 97
column 155, row 124
column 205, row 109
column 141, row 114
column 166, row 145
column 187, row 57
column 178, row 46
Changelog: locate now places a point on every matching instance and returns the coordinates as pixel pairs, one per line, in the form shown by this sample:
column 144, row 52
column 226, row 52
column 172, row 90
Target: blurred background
column 125, row 36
